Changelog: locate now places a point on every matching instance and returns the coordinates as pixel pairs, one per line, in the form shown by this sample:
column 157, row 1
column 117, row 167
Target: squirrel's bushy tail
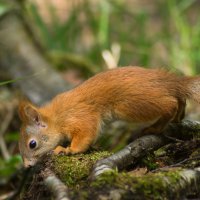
column 193, row 88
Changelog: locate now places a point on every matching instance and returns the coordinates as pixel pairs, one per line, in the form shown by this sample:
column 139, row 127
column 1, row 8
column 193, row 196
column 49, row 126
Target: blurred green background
column 132, row 32
column 89, row 36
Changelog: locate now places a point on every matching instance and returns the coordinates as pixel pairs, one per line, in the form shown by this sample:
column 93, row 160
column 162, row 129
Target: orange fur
column 129, row 93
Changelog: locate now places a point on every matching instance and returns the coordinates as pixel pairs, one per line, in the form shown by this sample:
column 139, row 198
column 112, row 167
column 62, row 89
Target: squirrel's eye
column 32, row 144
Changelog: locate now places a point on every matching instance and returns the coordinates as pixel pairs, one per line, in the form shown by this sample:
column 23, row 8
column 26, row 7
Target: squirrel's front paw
column 61, row 150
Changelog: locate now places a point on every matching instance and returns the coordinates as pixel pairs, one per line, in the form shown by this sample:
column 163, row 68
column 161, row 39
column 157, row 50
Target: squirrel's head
column 37, row 134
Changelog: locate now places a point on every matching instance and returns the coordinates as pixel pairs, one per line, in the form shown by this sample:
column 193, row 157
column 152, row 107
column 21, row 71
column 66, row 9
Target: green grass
column 184, row 43
column 8, row 167
column 134, row 30
column 117, row 21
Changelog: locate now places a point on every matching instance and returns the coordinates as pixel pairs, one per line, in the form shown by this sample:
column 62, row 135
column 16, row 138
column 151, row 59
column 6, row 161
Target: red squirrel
column 129, row 93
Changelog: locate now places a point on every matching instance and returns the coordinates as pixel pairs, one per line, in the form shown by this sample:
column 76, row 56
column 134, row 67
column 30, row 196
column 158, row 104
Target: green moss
column 161, row 151
column 156, row 186
column 72, row 170
column 150, row 162
column 152, row 186
column 107, row 178
column 195, row 153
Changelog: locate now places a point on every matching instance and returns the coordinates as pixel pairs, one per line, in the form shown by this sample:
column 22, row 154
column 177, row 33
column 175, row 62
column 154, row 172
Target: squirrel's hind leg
column 181, row 111
column 168, row 116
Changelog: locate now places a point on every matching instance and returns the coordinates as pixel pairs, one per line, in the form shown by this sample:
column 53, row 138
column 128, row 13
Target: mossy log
column 164, row 183
column 74, row 172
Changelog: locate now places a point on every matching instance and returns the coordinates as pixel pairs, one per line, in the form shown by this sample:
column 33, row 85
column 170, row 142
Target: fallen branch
column 55, row 185
column 129, row 155
column 137, row 149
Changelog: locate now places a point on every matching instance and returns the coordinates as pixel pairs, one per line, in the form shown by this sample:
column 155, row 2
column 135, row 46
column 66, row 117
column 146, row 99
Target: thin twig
column 173, row 138
column 7, row 119
column 14, row 194
column 4, row 150
column 179, row 164
column 7, row 196
column 185, row 160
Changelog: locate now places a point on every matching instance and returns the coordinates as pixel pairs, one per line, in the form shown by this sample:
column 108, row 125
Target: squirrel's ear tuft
column 21, row 112
column 28, row 112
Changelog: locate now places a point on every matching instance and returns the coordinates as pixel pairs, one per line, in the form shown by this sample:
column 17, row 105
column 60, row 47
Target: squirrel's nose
column 27, row 166
column 27, row 163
